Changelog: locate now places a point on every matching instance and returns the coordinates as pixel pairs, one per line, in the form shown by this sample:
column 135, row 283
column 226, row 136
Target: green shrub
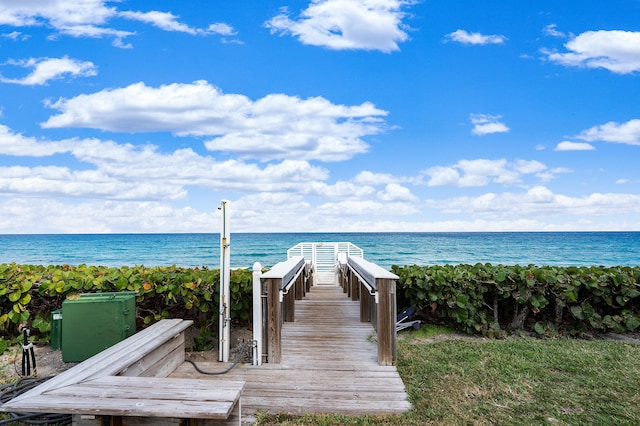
column 29, row 293
column 495, row 299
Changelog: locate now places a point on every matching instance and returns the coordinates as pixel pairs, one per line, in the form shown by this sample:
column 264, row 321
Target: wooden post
column 354, row 285
column 345, row 274
column 365, row 312
column 373, row 310
column 386, row 316
column 290, row 304
column 274, row 321
column 310, row 281
column 299, row 285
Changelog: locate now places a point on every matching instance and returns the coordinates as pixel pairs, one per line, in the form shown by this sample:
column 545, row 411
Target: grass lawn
column 516, row 381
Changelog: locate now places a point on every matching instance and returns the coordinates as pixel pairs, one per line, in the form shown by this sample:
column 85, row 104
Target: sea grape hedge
column 494, row 299
column 480, row 299
column 29, row 293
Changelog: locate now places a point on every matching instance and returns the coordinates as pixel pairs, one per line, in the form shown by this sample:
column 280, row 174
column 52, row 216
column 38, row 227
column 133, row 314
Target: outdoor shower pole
column 224, row 320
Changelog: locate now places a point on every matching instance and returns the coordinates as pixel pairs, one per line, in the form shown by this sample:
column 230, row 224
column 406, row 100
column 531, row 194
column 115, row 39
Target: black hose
column 22, row 385
column 239, row 355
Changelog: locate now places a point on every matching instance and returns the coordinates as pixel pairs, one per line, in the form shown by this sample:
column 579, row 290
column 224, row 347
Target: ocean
column 385, row 249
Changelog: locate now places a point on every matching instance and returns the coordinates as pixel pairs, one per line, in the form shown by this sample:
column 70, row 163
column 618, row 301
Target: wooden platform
column 329, row 365
column 126, row 384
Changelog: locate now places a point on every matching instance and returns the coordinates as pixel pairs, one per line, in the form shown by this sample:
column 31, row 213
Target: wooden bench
column 128, row 383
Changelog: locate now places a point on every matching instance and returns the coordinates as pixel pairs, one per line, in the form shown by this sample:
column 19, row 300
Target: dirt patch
column 240, row 338
column 48, row 363
column 625, row 337
column 440, row 337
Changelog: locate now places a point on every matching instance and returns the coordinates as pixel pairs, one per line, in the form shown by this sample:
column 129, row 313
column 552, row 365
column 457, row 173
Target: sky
column 139, row 116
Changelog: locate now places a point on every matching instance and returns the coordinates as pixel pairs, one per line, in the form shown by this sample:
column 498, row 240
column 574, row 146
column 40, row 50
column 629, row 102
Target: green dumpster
column 93, row 322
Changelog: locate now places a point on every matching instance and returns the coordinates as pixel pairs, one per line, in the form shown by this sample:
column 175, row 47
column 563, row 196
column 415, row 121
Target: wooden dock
column 329, row 365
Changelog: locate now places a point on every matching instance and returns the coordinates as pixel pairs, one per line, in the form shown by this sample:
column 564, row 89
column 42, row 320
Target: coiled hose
column 22, row 385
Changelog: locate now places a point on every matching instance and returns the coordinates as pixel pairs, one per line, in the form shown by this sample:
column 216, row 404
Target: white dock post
column 257, row 313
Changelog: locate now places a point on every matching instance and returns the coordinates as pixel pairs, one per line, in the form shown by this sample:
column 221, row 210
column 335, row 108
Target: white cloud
column 16, row 35
column 77, row 18
column 481, row 172
column 627, row 133
column 528, row 167
column 101, row 216
column 540, row 202
column 465, row 37
column 124, row 171
column 396, row 192
column 274, row 127
column 126, row 188
column 340, row 189
column 443, row 176
column 46, row 69
column 550, row 30
column 87, row 18
column 366, row 208
column 547, row 175
column 17, row 145
column 347, row 24
column 574, row 146
column 222, row 29
column 61, row 181
column 60, row 14
column 616, row 51
column 366, row 177
column 485, row 124
column 98, row 32
column 166, row 21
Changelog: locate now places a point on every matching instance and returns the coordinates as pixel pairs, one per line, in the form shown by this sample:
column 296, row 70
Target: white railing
column 324, row 258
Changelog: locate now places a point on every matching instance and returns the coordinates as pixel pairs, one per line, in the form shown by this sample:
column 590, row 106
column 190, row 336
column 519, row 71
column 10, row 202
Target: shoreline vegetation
column 482, row 299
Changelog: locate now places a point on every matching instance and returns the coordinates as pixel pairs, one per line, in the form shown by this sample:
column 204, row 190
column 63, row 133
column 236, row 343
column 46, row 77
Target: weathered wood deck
column 329, row 365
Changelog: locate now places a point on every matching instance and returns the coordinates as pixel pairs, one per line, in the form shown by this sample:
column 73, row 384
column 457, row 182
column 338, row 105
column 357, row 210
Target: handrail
column 287, row 271
column 369, row 272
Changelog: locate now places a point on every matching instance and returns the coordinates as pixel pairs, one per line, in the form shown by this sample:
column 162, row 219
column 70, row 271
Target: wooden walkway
column 329, row 365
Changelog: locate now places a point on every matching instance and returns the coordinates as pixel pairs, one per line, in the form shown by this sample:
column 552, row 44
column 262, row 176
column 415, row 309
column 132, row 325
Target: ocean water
column 385, row 249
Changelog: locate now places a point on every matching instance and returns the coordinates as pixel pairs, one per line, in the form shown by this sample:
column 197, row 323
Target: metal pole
column 257, row 313
column 224, row 320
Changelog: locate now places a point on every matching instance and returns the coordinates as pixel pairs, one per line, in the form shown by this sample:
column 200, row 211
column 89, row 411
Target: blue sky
column 319, row 115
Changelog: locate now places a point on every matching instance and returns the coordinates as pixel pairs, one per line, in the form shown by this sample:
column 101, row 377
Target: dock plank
column 329, row 365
